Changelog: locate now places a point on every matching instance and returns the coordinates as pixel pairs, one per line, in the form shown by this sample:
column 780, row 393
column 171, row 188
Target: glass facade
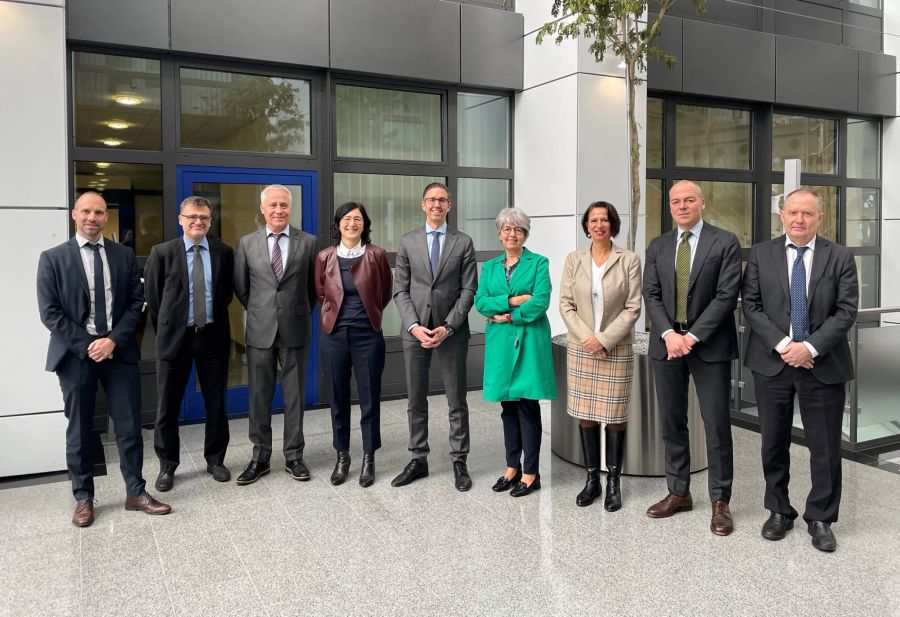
column 812, row 140
column 483, row 199
column 482, row 130
column 712, row 137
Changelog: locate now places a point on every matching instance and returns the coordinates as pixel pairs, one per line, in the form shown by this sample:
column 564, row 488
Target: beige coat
column 621, row 297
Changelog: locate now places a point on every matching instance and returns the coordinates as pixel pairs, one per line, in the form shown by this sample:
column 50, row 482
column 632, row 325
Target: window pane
column 712, row 137
column 862, row 217
column 729, row 205
column 394, row 203
column 873, row 4
column 653, row 190
column 654, row 134
column 250, row 113
column 863, row 148
column 133, row 195
column 828, row 226
column 116, row 101
column 477, row 321
column 867, row 272
column 388, row 124
column 477, row 204
column 812, row 140
column 483, row 130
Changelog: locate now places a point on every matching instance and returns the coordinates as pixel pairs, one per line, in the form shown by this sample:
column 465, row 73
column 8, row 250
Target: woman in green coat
column 514, row 294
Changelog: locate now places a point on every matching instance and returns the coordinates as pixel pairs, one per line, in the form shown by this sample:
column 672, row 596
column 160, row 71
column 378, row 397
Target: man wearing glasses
column 434, row 286
column 189, row 283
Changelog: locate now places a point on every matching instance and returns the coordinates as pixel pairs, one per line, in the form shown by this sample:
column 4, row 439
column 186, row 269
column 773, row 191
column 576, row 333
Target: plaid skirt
column 599, row 389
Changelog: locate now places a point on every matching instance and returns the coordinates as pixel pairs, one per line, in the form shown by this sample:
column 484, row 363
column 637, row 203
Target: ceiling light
column 129, row 99
column 99, row 173
column 112, row 141
column 117, row 124
column 103, row 165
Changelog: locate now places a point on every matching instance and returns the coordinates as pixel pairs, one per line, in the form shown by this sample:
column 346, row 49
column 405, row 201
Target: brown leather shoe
column 147, row 504
column 722, row 523
column 669, row 505
column 84, row 513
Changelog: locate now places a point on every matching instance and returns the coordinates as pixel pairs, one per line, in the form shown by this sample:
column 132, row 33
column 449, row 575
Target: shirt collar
column 285, row 231
column 188, row 245
column 82, row 241
column 811, row 245
column 442, row 228
column 695, row 230
column 353, row 251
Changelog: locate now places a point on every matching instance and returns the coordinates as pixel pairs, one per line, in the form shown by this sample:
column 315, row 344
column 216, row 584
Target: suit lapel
column 181, row 263
column 665, row 268
column 614, row 256
column 704, row 244
column 779, row 259
column 449, row 243
column 586, row 262
column 215, row 258
column 262, row 252
column 422, row 244
column 76, row 259
column 820, row 259
column 526, row 265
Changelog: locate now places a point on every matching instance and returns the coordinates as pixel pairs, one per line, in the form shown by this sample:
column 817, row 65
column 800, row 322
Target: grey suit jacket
column 712, row 292
column 832, row 302
column 274, row 307
column 446, row 298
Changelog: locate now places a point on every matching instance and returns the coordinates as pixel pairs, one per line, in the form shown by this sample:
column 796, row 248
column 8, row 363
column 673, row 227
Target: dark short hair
column 615, row 223
column 195, row 201
column 437, row 185
column 343, row 211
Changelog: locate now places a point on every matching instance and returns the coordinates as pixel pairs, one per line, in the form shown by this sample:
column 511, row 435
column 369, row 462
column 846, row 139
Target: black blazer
column 712, row 292
column 64, row 301
column 832, row 299
column 167, row 285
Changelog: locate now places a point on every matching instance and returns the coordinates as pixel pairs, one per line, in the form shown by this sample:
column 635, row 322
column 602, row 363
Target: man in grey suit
column 691, row 282
column 435, row 281
column 800, row 298
column 273, row 279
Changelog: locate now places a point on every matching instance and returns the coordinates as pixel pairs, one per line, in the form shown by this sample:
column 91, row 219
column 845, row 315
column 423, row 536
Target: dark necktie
column 99, row 293
column 682, row 277
column 198, row 283
column 435, row 252
column 799, row 316
column 277, row 266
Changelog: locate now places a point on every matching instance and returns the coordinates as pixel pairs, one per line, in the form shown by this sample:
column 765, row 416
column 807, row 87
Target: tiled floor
column 284, row 548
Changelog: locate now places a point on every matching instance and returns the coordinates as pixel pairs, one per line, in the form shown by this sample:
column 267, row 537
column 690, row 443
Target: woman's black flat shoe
column 504, row 484
column 521, row 489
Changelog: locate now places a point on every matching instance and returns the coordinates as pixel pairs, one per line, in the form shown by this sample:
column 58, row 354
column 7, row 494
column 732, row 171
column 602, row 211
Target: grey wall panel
column 877, row 84
column 808, row 20
column 418, row 39
column 816, row 75
column 862, row 31
column 728, row 62
column 141, row 23
column 670, row 40
column 492, row 47
column 744, row 14
column 272, row 30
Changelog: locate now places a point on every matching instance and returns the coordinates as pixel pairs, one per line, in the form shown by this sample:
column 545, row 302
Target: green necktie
column 682, row 277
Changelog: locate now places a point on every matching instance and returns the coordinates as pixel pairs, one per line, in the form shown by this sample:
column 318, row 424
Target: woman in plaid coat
column 600, row 301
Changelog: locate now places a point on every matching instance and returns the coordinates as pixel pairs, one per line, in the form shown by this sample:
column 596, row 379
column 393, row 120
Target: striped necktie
column 682, row 277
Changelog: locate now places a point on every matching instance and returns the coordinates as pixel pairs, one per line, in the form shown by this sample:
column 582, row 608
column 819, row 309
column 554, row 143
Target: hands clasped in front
column 678, row 345
column 430, row 338
column 797, row 354
column 101, row 349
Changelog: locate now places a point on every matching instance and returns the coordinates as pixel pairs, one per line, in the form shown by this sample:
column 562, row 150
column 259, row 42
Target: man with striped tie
column 800, row 297
column 273, row 279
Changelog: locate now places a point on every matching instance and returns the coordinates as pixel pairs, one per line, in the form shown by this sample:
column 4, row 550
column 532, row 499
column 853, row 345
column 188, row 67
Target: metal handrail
column 878, row 311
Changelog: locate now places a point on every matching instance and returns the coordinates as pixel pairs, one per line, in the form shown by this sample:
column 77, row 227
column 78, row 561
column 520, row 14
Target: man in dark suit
column 90, row 298
column 189, row 283
column 435, row 281
column 800, row 296
column 273, row 279
column 691, row 282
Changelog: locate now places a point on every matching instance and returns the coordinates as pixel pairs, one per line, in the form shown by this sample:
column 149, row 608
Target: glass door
column 234, row 194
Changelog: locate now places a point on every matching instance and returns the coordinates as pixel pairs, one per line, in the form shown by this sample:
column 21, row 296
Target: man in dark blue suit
column 90, row 298
column 800, row 297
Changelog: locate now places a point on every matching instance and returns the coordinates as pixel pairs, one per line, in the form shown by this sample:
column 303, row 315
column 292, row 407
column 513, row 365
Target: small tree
column 617, row 25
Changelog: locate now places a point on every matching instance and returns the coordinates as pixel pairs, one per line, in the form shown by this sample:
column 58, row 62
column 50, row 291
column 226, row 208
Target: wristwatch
column 449, row 329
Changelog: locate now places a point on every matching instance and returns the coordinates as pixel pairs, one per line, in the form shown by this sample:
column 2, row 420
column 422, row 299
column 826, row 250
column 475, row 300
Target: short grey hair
column 196, row 201
column 805, row 189
column 515, row 217
column 275, row 187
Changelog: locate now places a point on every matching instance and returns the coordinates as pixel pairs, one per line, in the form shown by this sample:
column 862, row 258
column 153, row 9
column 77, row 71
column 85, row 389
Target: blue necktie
column 99, row 293
column 799, row 316
column 435, row 251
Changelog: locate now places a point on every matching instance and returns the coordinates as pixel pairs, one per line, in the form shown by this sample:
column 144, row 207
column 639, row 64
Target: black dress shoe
column 415, row 469
column 462, row 479
column 219, row 473
column 341, row 468
column 822, row 536
column 165, row 480
column 367, row 472
column 252, row 473
column 297, row 469
column 521, row 489
column 777, row 526
column 504, row 484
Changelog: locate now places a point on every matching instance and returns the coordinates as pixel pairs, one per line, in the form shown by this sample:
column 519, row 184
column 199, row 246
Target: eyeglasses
column 508, row 231
column 193, row 218
column 436, row 200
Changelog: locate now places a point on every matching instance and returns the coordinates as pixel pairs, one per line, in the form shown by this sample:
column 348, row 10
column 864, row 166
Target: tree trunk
column 635, row 153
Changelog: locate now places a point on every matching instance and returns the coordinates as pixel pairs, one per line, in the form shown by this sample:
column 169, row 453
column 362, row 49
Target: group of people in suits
column 799, row 296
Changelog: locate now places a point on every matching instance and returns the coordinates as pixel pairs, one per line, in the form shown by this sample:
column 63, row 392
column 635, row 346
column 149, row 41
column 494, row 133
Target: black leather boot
column 367, row 472
column 341, row 468
column 615, row 451
column 590, row 446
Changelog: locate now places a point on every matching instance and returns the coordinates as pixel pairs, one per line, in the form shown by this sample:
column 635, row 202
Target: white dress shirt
column 597, row 273
column 351, row 252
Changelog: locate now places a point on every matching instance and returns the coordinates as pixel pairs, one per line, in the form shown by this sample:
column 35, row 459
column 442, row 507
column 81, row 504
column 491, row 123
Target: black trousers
column 713, row 384
column 172, row 377
column 360, row 349
column 822, row 412
column 121, row 382
column 522, row 433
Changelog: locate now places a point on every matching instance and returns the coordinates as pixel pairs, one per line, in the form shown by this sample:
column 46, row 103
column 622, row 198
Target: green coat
column 518, row 362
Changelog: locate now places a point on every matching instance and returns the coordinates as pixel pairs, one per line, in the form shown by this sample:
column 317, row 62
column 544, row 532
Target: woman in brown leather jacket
column 353, row 283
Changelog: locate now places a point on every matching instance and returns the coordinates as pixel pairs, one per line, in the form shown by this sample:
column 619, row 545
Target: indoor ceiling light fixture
column 103, row 165
column 99, row 173
column 112, row 141
column 129, row 99
column 117, row 124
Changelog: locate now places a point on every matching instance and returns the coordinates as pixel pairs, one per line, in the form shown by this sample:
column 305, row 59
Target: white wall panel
column 890, row 264
column 554, row 237
column 890, row 195
column 32, row 444
column 548, row 60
